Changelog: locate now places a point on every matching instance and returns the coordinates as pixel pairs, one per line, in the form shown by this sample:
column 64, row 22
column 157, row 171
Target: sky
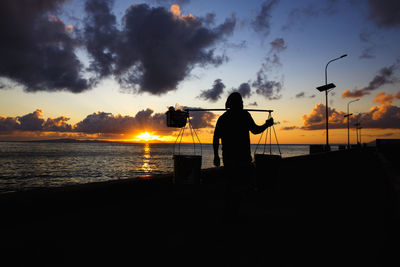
column 103, row 69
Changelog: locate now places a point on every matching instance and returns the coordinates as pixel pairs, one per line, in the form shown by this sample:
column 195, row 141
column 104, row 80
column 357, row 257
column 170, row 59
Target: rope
column 180, row 131
column 276, row 137
column 192, row 133
column 198, row 139
column 268, row 131
column 270, row 137
column 265, row 141
column 258, row 142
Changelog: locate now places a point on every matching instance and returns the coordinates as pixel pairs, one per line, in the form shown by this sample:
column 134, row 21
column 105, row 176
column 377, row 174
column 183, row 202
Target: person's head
column 234, row 101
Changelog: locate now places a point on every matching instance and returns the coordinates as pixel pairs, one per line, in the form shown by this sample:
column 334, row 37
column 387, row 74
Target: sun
column 146, row 136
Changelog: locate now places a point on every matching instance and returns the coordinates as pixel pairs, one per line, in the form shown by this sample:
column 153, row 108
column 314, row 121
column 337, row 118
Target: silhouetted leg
column 238, row 182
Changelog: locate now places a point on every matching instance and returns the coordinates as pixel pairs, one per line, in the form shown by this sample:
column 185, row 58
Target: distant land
column 70, row 140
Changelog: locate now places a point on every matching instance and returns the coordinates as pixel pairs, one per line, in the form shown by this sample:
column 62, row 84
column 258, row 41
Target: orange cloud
column 316, row 119
column 176, row 10
column 288, row 128
column 384, row 99
column 383, row 116
column 385, row 75
column 356, row 93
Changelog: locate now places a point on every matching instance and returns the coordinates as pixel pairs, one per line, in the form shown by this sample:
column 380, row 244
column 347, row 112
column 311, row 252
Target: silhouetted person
column 233, row 129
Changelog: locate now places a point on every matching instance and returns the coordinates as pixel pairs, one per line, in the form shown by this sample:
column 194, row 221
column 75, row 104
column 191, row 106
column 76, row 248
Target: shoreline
column 66, row 140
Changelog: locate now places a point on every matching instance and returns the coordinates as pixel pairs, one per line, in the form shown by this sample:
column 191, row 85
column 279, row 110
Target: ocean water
column 25, row 165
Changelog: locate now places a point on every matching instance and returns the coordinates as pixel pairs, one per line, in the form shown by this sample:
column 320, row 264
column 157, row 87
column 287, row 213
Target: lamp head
column 326, row 87
column 342, row 56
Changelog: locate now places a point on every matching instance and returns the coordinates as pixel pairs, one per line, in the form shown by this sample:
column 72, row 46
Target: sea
column 27, row 165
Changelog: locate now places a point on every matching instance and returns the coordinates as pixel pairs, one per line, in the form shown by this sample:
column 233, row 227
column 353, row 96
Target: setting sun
column 145, row 137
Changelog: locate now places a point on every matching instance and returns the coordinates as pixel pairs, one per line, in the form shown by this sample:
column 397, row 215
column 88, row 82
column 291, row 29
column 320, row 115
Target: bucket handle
column 192, row 133
column 270, row 139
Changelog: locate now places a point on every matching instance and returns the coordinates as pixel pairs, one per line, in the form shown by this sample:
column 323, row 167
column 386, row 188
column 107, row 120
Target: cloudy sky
column 108, row 69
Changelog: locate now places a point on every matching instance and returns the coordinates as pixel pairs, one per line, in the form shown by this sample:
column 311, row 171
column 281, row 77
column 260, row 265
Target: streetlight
column 348, row 123
column 322, row 88
column 357, row 127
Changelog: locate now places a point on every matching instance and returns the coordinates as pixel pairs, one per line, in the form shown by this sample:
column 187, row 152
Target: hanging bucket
column 267, row 169
column 187, row 169
column 176, row 118
column 267, row 165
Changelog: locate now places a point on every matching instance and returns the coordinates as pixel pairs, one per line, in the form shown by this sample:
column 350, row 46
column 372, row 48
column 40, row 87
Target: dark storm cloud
column 152, row 51
column 303, row 94
column 202, row 119
column 278, row 45
column 213, row 94
column 155, row 48
column 310, row 11
column 8, row 124
column 34, row 122
column 273, row 60
column 288, row 128
column 253, row 104
column 267, row 88
column 368, row 51
column 263, row 84
column 168, row 3
column 244, row 90
column 100, row 34
column 107, row 123
column 385, row 76
column 37, row 48
column 209, row 19
column 385, row 14
column 101, row 123
column 57, row 125
column 262, row 22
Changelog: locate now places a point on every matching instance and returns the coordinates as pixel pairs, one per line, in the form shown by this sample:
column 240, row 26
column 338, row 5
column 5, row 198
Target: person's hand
column 269, row 122
column 217, row 161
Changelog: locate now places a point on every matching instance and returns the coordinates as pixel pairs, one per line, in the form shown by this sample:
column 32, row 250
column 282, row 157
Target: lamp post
column 326, row 99
column 348, row 122
column 357, row 127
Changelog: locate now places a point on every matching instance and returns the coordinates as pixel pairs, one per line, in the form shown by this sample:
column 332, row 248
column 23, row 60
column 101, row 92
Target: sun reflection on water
column 147, row 166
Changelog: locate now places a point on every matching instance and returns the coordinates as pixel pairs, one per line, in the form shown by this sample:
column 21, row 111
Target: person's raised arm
column 256, row 129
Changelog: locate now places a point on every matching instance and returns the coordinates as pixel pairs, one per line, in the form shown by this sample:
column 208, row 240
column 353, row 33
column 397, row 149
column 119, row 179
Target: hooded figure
column 233, row 129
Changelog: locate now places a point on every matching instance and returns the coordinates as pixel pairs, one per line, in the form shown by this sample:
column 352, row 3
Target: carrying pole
column 224, row 109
